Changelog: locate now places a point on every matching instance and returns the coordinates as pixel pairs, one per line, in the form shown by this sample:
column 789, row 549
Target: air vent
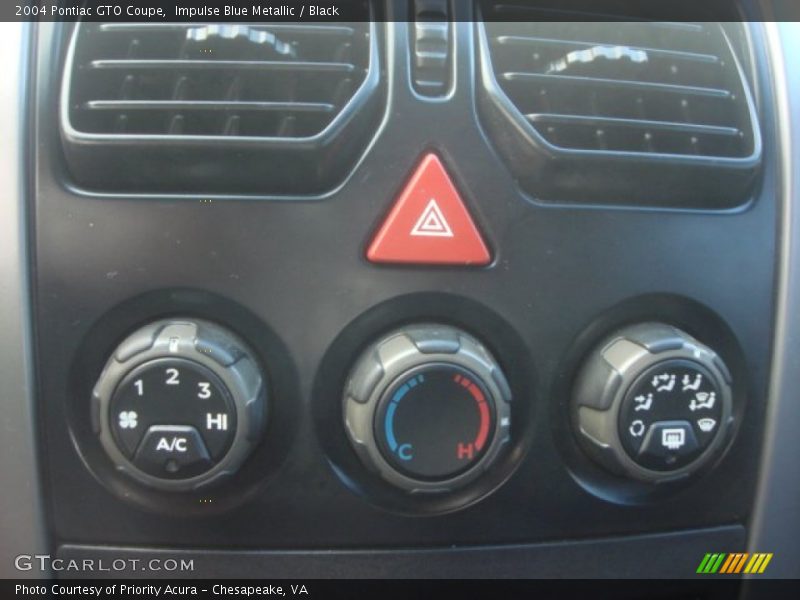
column 277, row 99
column 597, row 101
column 281, row 81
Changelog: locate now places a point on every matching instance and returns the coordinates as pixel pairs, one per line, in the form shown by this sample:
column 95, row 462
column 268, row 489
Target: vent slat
column 684, row 90
column 535, row 42
column 641, row 124
column 318, row 107
column 290, row 28
column 185, row 64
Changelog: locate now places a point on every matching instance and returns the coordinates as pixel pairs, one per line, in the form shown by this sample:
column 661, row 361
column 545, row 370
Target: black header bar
column 333, row 11
column 388, row 589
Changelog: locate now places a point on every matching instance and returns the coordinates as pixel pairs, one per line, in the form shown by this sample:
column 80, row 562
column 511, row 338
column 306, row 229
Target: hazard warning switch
column 429, row 224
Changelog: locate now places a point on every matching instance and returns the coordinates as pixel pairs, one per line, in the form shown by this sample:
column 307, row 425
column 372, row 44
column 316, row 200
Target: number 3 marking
column 205, row 390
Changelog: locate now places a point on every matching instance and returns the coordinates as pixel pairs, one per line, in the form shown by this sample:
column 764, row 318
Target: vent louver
column 278, row 97
column 669, row 98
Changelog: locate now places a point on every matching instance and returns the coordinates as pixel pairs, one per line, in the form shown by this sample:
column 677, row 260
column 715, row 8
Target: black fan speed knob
column 180, row 404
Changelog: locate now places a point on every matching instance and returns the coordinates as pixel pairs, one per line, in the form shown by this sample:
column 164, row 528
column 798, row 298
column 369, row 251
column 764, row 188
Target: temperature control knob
column 427, row 407
column 180, row 404
column 653, row 403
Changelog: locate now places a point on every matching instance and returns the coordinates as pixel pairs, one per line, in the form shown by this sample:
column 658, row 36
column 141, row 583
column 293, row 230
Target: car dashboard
column 450, row 290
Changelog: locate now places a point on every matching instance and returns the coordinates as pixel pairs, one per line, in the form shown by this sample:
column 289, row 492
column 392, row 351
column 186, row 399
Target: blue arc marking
column 390, row 439
column 388, row 423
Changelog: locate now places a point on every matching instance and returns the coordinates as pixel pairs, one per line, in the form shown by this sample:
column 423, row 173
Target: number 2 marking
column 172, row 377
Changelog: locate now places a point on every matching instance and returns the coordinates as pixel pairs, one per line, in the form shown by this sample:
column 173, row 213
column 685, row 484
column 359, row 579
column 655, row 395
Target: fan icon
column 128, row 419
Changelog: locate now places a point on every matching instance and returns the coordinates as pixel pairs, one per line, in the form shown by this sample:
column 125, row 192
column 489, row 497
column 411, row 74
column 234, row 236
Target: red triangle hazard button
column 429, row 224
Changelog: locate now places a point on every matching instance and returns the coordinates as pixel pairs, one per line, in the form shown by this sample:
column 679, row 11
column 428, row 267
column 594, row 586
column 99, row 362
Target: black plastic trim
column 662, row 555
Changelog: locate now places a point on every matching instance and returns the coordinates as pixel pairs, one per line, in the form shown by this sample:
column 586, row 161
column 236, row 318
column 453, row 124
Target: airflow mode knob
column 652, row 403
column 427, row 407
column 180, row 404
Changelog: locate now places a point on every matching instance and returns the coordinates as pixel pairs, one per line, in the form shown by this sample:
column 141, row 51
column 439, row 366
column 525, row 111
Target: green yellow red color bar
column 734, row 562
